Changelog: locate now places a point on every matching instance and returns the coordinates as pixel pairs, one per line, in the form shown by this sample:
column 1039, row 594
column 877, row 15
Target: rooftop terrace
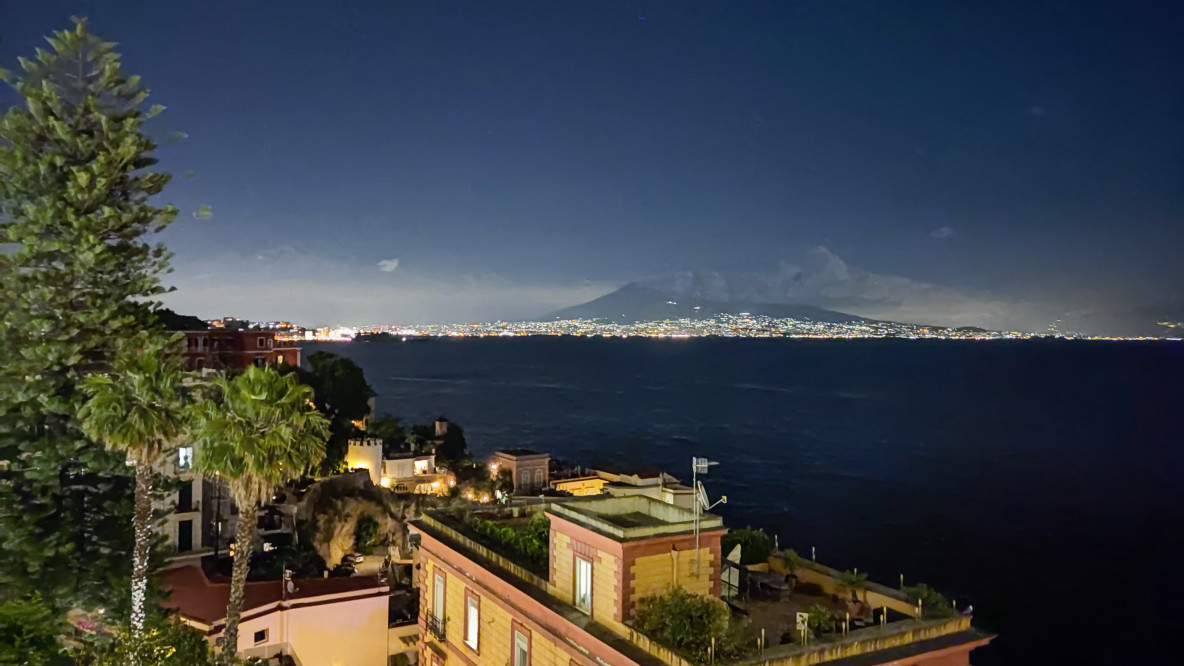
column 632, row 517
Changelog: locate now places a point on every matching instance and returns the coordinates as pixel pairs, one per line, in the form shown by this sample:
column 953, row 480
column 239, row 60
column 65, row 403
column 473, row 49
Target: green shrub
column 820, row 620
column 532, row 544
column 364, row 534
column 166, row 642
column 933, row 604
column 684, row 622
column 29, row 631
column 755, row 545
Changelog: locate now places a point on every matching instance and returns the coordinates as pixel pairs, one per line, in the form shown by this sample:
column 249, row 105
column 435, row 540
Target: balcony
column 186, row 507
column 436, row 626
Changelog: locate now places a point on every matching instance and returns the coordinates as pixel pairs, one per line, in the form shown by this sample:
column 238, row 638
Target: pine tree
column 76, row 275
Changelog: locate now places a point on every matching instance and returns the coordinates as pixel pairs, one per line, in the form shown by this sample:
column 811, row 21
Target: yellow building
column 480, row 605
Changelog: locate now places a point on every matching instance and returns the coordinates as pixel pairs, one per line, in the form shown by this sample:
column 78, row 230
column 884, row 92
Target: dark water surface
column 1039, row 481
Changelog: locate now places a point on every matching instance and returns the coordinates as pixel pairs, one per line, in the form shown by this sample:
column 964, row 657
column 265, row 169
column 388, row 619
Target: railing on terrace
column 436, row 626
column 857, row 642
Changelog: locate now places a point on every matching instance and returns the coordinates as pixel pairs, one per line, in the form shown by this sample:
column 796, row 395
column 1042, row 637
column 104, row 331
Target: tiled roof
column 198, row 598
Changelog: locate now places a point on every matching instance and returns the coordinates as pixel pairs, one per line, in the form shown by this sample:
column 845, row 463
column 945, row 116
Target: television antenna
column 702, row 503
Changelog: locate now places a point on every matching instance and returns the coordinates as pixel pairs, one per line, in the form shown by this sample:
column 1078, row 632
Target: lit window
column 260, row 636
column 583, row 599
column 421, row 466
column 521, row 648
column 185, row 457
column 472, row 619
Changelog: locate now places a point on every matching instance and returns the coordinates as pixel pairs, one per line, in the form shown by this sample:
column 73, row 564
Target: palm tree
column 138, row 406
column 259, row 431
column 853, row 581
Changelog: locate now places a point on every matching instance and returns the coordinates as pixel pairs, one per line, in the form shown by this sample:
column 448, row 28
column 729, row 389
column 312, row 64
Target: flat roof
column 405, row 455
column 632, row 517
column 518, row 453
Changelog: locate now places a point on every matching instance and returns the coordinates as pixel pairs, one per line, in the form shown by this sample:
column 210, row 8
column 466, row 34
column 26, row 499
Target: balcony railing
column 190, row 507
column 436, row 626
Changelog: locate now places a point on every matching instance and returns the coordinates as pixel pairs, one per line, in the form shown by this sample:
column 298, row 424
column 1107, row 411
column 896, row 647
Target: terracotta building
column 481, row 605
column 530, row 469
column 227, row 349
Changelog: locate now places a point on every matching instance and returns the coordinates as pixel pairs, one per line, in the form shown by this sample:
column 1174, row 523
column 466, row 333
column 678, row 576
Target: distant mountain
column 634, row 303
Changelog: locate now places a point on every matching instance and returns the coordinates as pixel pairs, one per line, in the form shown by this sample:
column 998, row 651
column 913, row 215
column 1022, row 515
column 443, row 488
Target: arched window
column 538, row 478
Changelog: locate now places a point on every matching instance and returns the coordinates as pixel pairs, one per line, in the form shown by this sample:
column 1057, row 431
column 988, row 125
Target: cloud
column 942, row 233
column 821, row 278
column 388, row 265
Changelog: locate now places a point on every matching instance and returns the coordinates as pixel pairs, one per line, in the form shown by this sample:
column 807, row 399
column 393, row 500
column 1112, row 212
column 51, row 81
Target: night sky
column 990, row 163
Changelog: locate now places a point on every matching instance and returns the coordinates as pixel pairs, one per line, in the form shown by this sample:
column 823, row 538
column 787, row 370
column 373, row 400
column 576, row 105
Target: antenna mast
column 700, row 466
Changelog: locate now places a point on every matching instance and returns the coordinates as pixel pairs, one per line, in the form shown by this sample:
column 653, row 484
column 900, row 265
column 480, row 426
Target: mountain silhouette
column 634, row 302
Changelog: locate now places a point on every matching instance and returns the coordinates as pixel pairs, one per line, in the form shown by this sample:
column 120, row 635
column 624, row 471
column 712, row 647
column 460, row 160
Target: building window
column 421, row 466
column 439, row 595
column 472, row 620
column 538, row 478
column 260, row 636
column 521, row 646
column 260, row 345
column 260, row 362
column 583, row 596
column 184, row 457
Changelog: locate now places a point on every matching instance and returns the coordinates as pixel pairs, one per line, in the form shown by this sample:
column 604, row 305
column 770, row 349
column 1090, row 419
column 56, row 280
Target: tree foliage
column 390, row 430
column 138, row 409
column 684, row 622
column 259, row 431
column 755, row 545
column 853, row 581
column 29, row 630
column 933, row 603
column 165, row 642
column 342, row 394
column 365, row 534
column 452, row 448
column 76, row 275
column 296, row 555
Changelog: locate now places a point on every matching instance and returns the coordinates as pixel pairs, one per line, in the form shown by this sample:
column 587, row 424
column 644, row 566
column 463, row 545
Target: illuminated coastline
column 729, row 326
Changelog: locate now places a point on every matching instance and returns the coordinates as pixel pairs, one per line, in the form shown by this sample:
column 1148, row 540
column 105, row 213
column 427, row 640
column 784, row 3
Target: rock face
column 330, row 510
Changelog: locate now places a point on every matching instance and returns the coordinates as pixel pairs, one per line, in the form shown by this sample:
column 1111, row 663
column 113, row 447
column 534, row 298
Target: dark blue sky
column 1024, row 157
